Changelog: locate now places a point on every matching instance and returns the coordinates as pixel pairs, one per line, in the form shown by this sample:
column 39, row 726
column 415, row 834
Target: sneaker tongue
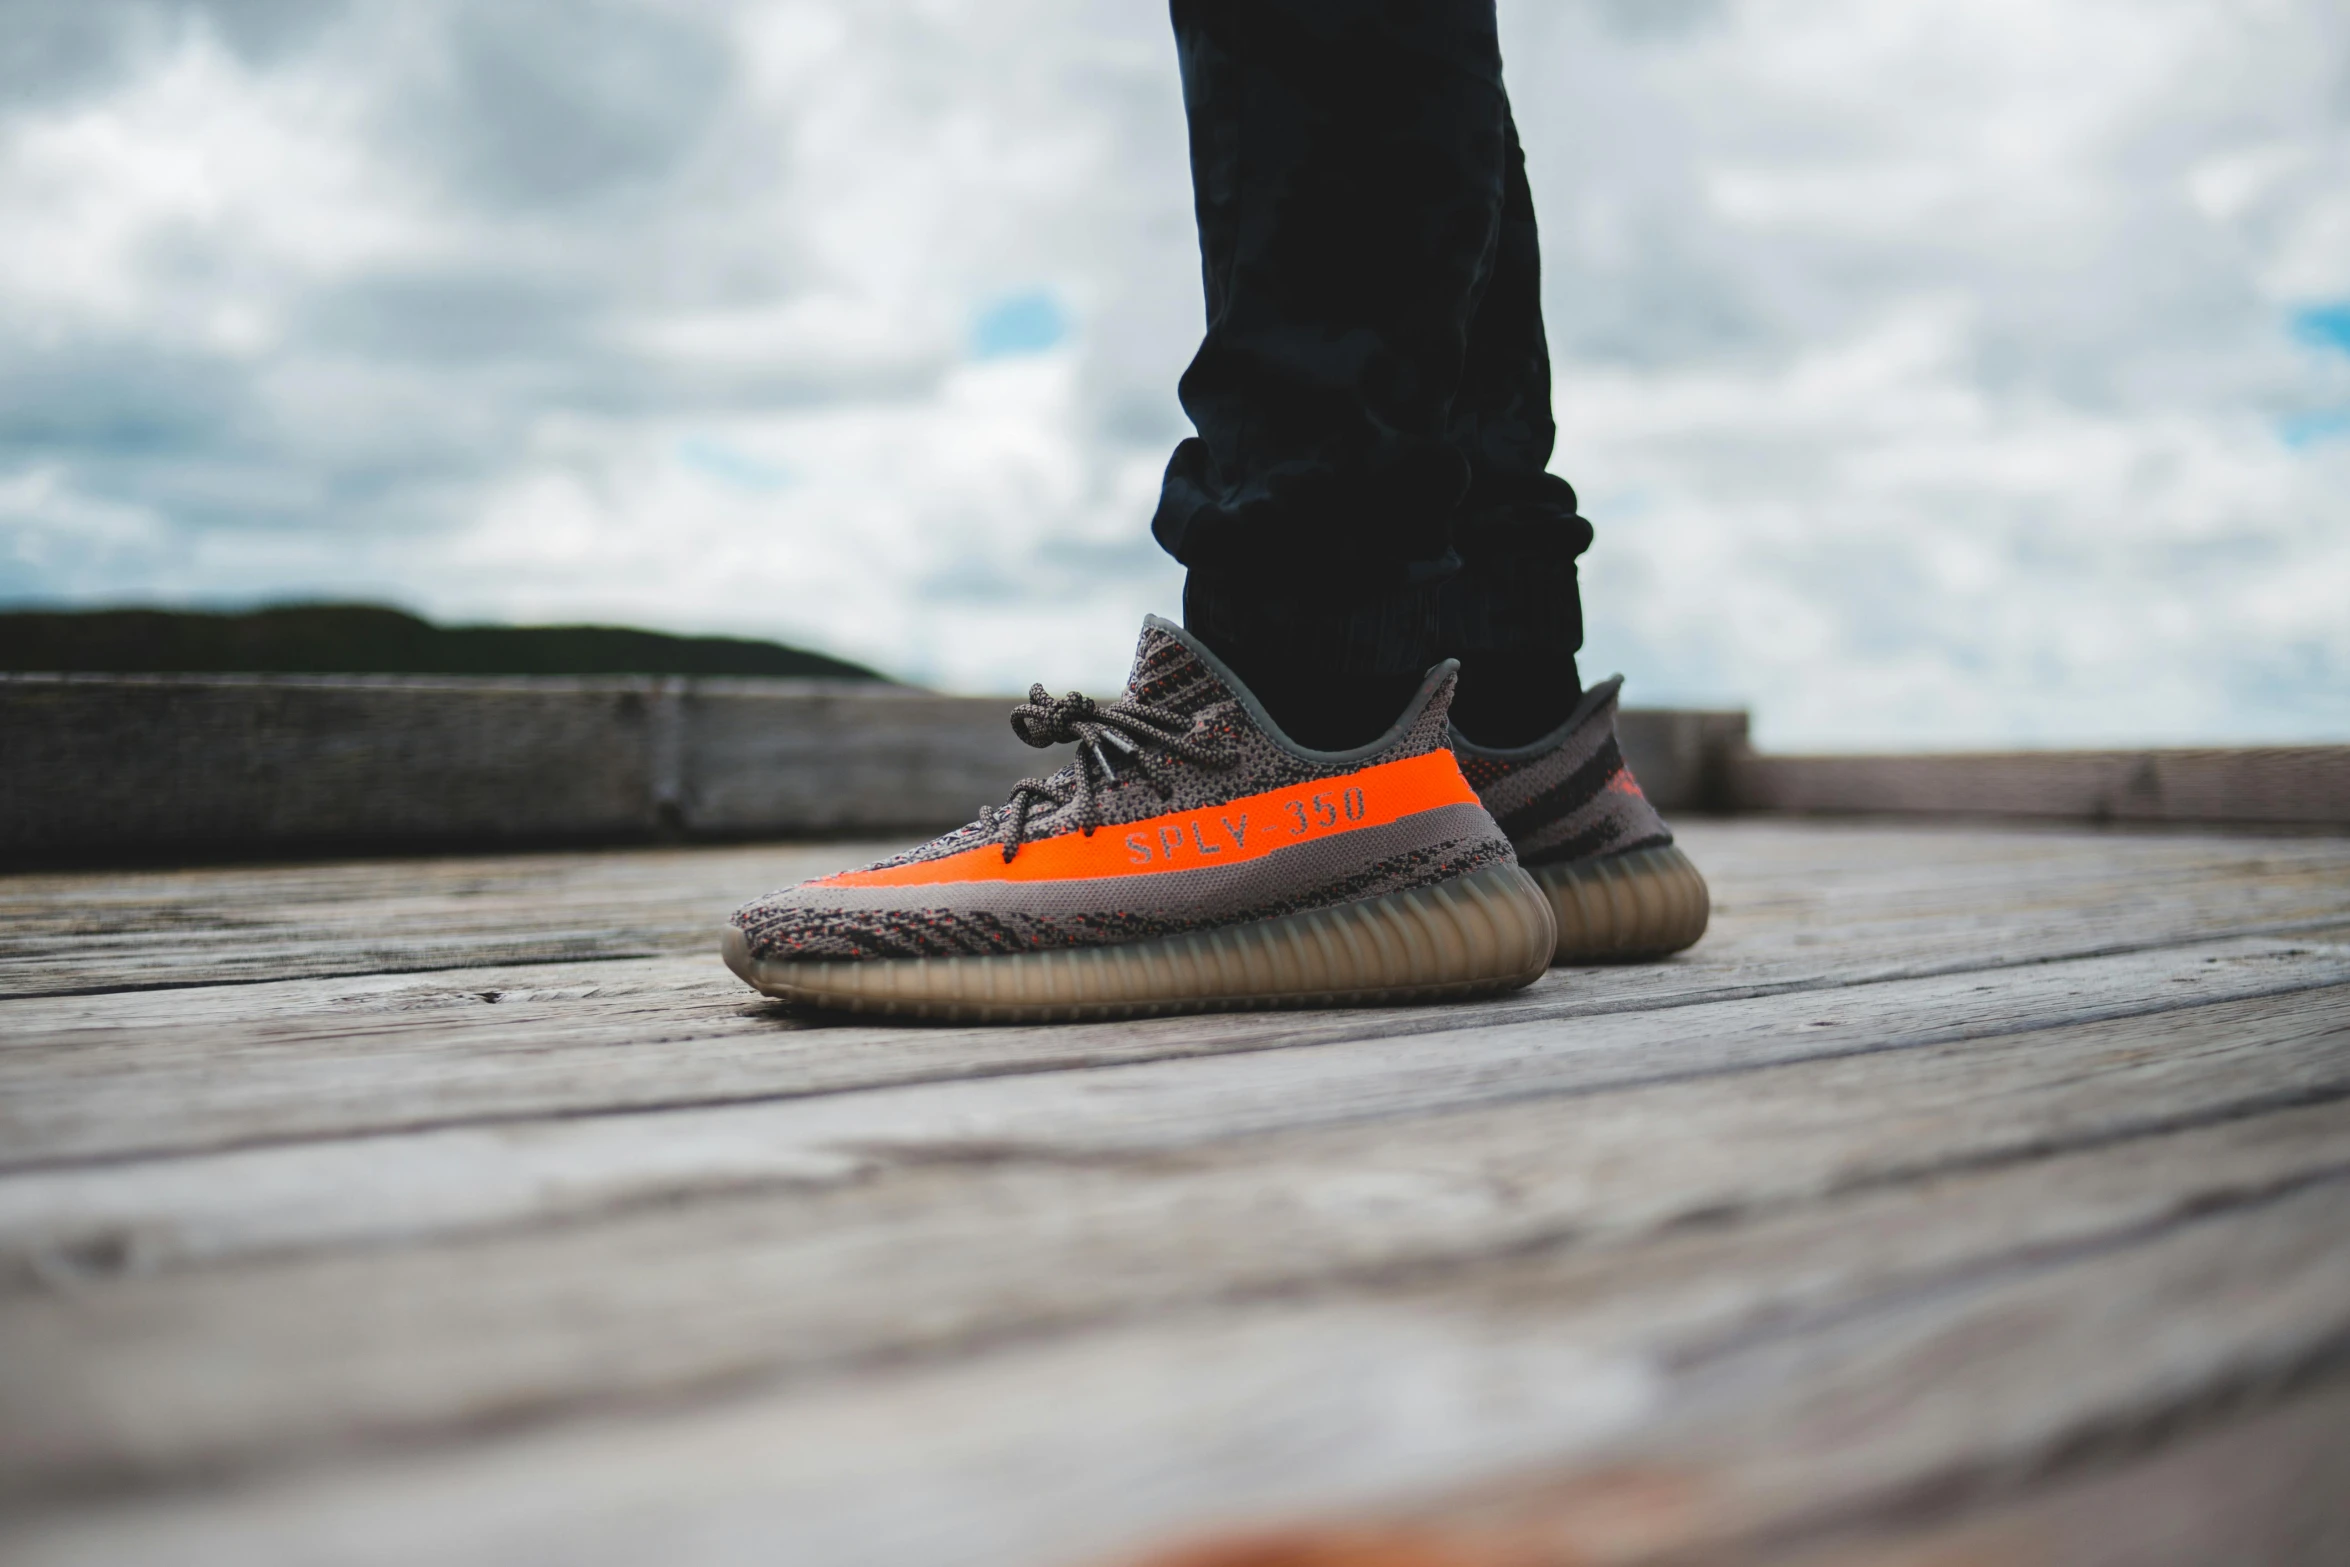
column 1170, row 675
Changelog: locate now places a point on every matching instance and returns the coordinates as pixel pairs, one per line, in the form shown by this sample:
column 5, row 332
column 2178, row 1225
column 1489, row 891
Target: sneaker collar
column 1438, row 682
column 1598, row 697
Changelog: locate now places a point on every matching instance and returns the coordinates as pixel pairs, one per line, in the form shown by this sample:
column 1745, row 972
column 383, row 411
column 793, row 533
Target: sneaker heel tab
column 1435, row 697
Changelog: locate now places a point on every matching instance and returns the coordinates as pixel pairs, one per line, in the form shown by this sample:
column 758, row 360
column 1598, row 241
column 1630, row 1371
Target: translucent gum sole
column 1480, row 934
column 1620, row 907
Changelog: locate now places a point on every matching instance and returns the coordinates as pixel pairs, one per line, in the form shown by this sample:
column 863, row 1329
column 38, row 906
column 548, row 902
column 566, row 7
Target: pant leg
column 1512, row 614
column 1349, row 167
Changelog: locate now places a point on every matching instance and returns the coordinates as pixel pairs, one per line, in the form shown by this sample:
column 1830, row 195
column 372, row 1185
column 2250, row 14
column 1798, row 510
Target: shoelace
column 1097, row 728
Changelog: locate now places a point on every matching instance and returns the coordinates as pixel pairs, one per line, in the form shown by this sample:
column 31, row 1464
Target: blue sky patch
column 716, row 460
column 1025, row 323
column 2328, row 326
column 2299, row 430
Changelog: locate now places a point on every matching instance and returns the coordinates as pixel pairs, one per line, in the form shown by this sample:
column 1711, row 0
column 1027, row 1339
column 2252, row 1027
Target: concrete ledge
column 100, row 768
column 2307, row 784
column 97, row 768
column 131, row 767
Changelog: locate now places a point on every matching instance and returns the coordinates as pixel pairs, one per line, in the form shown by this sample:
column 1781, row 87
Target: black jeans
column 1366, row 493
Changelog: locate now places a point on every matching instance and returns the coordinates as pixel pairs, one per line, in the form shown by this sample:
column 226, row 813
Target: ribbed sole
column 1479, row 934
column 1619, row 907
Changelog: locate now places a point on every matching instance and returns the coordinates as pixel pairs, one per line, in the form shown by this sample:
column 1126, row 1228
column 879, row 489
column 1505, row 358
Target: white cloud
column 1959, row 414
column 1929, row 370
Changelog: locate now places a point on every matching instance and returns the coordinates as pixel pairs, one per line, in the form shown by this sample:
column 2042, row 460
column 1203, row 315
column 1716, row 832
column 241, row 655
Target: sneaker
column 1619, row 886
column 1189, row 857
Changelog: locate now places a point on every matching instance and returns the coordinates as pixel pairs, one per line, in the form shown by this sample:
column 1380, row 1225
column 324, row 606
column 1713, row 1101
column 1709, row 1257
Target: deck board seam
column 473, row 960
column 2115, row 1013
column 1391, row 1272
column 2096, row 1441
column 2030, row 1259
column 2279, row 928
column 2104, row 1442
column 1402, row 1277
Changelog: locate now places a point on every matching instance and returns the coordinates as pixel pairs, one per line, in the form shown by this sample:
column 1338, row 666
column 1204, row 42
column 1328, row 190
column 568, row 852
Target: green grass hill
column 368, row 639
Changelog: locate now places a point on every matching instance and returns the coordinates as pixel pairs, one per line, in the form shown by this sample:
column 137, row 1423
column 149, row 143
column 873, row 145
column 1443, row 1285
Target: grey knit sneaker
column 1617, row 883
column 1188, row 857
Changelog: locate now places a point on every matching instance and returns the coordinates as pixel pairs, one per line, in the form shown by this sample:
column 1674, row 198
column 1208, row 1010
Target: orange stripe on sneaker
column 1245, row 829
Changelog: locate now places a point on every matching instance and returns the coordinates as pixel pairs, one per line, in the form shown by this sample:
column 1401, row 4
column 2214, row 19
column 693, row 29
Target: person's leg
column 1349, row 162
column 1512, row 615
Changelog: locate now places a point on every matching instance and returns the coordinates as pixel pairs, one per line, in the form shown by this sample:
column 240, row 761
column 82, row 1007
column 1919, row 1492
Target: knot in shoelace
column 1099, row 730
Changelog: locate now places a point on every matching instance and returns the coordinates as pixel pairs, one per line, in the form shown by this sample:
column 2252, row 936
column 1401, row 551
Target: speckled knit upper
column 1569, row 795
column 826, row 920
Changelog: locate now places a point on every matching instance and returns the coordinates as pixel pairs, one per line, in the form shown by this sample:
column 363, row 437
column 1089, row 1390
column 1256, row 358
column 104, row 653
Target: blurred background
column 1936, row 374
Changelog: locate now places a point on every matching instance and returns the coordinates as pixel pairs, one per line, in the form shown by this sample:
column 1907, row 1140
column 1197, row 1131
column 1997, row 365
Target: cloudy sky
column 1942, row 372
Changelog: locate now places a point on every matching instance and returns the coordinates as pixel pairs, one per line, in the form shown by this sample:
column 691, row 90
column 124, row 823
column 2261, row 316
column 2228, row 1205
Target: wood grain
column 342, row 1189
column 572, row 1041
column 109, row 1074
column 1085, row 1444
column 927, row 1242
column 1797, row 1443
column 2273, row 1487
column 392, row 1211
column 133, row 930
column 1855, row 900
column 1807, row 1426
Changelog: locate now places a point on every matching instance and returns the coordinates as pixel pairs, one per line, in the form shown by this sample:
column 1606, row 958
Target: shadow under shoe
column 1619, row 886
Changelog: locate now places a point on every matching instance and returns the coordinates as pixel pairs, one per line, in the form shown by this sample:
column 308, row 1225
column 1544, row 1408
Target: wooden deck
column 1967, row 1196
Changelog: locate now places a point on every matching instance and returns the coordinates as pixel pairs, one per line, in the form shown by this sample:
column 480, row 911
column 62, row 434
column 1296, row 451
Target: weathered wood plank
column 2270, row 1489
column 346, row 1190
column 127, row 930
column 940, row 1244
column 1824, row 1421
column 1871, row 893
column 1808, row 908
column 1783, row 1446
column 815, row 1290
column 1748, row 1425
column 1866, row 898
column 369, row 1055
column 2306, row 783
